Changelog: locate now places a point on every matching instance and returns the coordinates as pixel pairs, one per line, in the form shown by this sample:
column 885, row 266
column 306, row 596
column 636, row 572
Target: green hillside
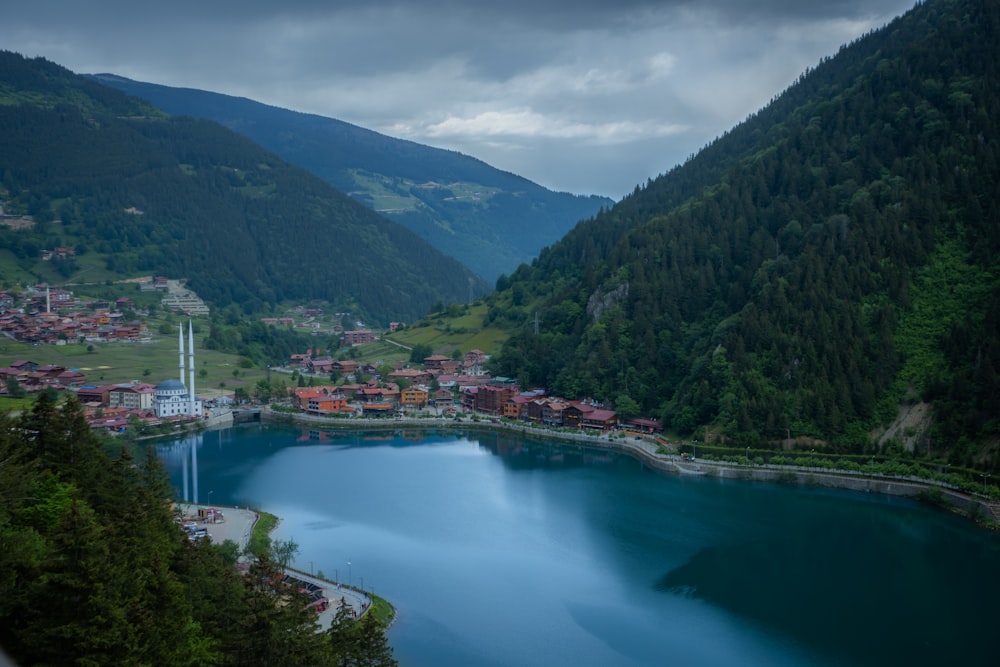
column 97, row 569
column 490, row 220
column 134, row 191
column 827, row 261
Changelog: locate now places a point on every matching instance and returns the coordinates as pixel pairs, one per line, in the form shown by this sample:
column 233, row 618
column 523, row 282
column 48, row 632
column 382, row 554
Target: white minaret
column 191, row 397
column 180, row 350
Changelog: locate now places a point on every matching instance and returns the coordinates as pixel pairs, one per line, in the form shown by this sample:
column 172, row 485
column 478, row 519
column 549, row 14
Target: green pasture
column 462, row 329
column 112, row 363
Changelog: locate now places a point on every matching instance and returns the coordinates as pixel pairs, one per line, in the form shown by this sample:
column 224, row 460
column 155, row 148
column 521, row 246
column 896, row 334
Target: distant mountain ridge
column 134, row 190
column 489, row 219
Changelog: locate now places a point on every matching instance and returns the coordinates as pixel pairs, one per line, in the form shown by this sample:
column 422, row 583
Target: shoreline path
column 237, row 525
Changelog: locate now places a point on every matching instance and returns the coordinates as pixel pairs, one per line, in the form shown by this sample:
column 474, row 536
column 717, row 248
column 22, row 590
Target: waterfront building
column 173, row 398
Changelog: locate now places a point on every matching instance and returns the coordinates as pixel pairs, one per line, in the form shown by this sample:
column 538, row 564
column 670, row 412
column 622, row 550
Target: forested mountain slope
column 95, row 569
column 829, row 259
column 489, row 219
column 134, row 190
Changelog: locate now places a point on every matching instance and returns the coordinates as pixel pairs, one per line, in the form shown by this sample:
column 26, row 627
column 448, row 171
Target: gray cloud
column 584, row 96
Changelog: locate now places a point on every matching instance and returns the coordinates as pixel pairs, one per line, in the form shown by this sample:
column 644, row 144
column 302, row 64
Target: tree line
column 96, row 570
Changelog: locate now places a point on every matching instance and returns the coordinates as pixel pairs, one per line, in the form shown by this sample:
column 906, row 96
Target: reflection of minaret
column 187, row 451
column 184, row 473
column 195, row 441
column 191, row 399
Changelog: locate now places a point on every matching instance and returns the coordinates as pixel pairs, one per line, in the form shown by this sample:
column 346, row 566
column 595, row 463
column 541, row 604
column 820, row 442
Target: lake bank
column 590, row 557
column 978, row 509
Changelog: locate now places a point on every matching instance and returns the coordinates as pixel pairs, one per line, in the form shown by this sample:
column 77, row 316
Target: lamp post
column 210, row 496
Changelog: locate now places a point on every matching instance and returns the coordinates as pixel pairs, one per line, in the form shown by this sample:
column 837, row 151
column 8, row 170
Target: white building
column 172, row 397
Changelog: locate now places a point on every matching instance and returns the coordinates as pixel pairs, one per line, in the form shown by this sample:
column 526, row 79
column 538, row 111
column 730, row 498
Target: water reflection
column 587, row 558
column 184, row 452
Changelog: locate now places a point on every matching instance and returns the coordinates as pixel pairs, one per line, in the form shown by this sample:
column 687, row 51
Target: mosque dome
column 170, row 386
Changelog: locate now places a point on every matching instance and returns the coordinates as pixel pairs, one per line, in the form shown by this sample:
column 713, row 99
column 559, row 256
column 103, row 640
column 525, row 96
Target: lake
column 501, row 550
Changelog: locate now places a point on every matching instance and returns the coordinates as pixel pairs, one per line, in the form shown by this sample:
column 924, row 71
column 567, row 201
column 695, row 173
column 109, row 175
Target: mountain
column 489, row 219
column 822, row 270
column 134, row 190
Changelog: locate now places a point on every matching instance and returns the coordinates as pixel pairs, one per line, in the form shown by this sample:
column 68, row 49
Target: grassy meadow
column 152, row 362
column 445, row 331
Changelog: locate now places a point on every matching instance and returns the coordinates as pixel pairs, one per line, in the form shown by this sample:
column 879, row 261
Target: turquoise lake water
column 499, row 550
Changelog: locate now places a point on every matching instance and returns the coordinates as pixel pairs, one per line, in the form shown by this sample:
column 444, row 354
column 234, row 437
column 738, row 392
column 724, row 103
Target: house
column 303, row 396
column 413, row 396
column 492, row 399
column 320, row 366
column 516, row 407
column 50, row 371
column 644, row 425
column 71, row 378
column 474, row 363
column 544, row 410
column 552, row 411
column 346, row 367
column 94, row 395
column 137, row 396
column 319, row 405
column 468, row 395
column 443, row 398
column 411, row 375
column 435, row 361
column 357, row 337
column 368, row 395
column 582, row 415
column 600, row 419
column 451, row 367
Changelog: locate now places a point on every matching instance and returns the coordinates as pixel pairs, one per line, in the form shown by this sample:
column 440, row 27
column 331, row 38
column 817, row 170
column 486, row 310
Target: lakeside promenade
column 237, row 524
column 653, row 454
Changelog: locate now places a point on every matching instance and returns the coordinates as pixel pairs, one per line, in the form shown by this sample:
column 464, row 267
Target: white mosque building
column 172, row 397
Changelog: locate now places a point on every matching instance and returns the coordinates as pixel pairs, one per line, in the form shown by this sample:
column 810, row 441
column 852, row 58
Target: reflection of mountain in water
column 793, row 583
column 521, row 453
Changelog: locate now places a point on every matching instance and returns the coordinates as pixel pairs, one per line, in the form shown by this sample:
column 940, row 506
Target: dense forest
column 830, row 259
column 95, row 570
column 137, row 191
column 489, row 219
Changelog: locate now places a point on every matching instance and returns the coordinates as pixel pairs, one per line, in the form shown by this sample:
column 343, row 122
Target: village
column 445, row 387
column 442, row 386
column 46, row 315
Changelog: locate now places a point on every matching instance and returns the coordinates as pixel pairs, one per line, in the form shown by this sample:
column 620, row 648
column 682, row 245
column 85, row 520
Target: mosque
column 172, row 397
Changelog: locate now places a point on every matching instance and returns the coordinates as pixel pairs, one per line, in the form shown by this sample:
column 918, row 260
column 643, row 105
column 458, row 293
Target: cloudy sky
column 591, row 96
